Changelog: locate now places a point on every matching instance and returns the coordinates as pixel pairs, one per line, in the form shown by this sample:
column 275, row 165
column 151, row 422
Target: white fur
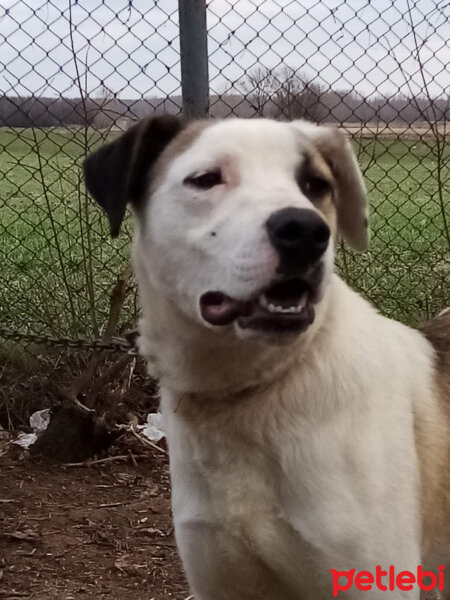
column 287, row 460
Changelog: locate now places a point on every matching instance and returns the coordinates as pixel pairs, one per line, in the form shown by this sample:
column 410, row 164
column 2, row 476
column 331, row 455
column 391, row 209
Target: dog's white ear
column 351, row 200
column 118, row 173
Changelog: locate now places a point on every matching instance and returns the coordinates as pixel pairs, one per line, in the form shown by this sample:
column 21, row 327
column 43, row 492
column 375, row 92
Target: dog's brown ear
column 351, row 197
column 118, row 173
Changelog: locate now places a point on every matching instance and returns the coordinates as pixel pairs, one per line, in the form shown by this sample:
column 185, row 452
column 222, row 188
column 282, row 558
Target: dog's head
column 235, row 219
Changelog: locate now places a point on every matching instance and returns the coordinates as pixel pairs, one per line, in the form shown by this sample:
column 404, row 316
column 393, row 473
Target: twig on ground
column 110, row 374
column 100, row 461
column 133, row 460
column 144, row 440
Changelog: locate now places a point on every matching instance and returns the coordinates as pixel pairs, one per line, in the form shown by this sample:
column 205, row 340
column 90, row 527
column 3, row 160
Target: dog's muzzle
column 286, row 305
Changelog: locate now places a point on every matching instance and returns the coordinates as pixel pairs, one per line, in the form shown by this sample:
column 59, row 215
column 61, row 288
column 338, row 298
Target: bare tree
column 259, row 87
column 297, row 96
column 103, row 108
column 284, row 93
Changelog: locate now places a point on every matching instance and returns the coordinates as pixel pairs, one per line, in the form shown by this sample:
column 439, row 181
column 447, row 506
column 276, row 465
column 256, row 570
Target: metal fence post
column 194, row 58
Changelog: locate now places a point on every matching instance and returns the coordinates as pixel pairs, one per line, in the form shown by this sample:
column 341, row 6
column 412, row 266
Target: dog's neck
column 187, row 358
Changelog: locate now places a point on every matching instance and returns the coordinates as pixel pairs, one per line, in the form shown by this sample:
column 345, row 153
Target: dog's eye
column 205, row 181
column 315, row 187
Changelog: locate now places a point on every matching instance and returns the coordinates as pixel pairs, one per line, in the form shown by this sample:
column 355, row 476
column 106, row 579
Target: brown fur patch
column 437, row 332
column 314, row 165
column 180, row 144
column 350, row 196
column 433, row 442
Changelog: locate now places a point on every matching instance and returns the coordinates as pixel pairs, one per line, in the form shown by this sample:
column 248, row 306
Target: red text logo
column 387, row 580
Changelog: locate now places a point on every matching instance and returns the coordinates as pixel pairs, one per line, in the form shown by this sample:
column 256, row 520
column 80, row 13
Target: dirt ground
column 73, row 533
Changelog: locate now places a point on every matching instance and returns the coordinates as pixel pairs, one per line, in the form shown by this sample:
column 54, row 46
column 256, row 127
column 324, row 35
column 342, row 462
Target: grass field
column 406, row 272
column 59, row 264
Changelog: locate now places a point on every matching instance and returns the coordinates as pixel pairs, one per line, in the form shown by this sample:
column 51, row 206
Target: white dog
column 308, row 434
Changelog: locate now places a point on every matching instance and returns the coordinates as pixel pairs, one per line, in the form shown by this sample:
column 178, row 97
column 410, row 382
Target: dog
column 309, row 436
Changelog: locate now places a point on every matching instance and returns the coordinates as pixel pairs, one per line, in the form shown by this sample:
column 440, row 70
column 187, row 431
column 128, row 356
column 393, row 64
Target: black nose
column 299, row 235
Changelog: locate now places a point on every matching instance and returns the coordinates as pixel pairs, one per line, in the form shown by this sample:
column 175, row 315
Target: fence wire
column 76, row 73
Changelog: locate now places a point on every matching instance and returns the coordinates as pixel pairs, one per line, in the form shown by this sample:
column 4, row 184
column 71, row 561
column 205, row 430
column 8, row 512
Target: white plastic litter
column 39, row 422
column 153, row 430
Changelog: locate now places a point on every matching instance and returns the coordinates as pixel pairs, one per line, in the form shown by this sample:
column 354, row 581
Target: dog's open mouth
column 285, row 306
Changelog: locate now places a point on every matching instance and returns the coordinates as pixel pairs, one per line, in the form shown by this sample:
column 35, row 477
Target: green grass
column 59, row 263
column 406, row 272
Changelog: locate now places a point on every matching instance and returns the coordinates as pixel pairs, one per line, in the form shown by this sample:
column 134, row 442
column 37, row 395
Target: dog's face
column 236, row 219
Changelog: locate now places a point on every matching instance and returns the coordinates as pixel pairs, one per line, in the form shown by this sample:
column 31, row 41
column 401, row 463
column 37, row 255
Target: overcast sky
column 132, row 46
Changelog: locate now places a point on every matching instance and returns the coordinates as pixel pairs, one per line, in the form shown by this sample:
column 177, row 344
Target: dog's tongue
column 219, row 309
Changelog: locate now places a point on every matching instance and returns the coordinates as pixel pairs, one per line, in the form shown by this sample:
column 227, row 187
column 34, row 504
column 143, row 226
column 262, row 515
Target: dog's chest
column 275, row 512
column 231, row 529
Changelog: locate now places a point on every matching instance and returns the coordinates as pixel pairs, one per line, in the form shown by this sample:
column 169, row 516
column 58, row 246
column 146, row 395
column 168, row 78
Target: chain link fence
column 77, row 72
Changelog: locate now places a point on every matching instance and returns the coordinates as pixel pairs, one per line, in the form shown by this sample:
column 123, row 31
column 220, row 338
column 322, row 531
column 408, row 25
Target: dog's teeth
column 274, row 308
column 302, row 301
column 277, row 308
